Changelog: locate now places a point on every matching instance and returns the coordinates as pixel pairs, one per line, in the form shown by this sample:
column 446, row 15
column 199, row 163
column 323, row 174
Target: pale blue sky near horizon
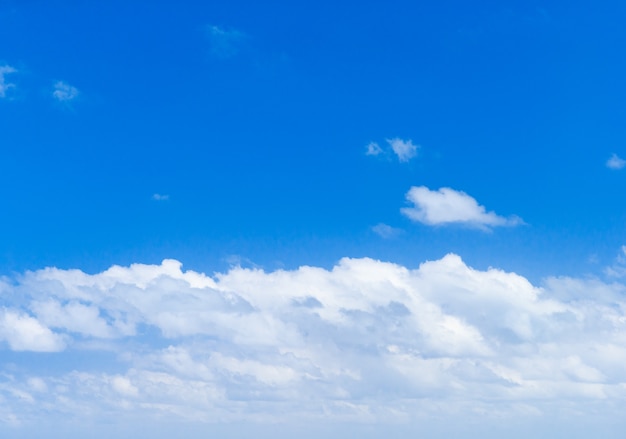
column 312, row 159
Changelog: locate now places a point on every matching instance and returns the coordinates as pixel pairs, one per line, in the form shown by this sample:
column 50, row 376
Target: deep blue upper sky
column 253, row 119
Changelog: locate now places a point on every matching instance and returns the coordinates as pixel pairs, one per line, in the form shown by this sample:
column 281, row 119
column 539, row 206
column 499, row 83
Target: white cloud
column 403, row 149
column 4, row 85
column 63, row 92
column 225, row 43
column 373, row 148
column 364, row 341
column 386, row 231
column 160, row 197
column 615, row 162
column 447, row 206
column 24, row 333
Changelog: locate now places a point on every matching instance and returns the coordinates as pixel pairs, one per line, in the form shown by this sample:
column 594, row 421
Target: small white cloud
column 447, row 206
column 404, row 149
column 4, row 85
column 160, row 197
column 615, row 162
column 63, row 92
column 385, row 231
column 373, row 148
column 225, row 43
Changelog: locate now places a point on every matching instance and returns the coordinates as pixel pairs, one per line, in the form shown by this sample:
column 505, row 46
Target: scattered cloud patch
column 224, row 42
column 405, row 150
column 615, row 162
column 5, row 86
column 365, row 340
column 448, row 206
column 160, row 197
column 386, row 231
column 63, row 92
column 373, row 148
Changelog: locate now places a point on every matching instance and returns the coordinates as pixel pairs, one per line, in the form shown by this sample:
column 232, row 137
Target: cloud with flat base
column 447, row 206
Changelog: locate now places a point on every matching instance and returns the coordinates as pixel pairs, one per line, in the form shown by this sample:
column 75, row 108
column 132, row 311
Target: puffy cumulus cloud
column 363, row 341
column 63, row 92
column 615, row 162
column 448, row 206
column 4, row 85
column 24, row 333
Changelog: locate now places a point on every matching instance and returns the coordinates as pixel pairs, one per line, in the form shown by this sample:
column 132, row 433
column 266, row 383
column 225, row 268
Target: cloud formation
column 63, row 92
column 4, row 85
column 160, row 197
column 448, row 206
column 366, row 340
column 615, row 162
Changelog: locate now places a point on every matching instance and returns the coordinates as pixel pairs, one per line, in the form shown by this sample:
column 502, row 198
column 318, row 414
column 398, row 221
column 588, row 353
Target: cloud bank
column 364, row 341
column 448, row 206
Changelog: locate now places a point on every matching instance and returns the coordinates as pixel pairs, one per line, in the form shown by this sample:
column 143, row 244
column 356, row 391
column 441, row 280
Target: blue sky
column 283, row 152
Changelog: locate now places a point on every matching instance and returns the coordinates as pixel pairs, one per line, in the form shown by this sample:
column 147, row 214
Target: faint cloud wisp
column 615, row 162
column 4, row 85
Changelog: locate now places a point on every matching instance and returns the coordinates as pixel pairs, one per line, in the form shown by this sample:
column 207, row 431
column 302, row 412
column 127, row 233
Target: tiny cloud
column 385, row 231
column 225, row 43
column 63, row 92
column 615, row 162
column 373, row 148
column 5, row 86
column 160, row 197
column 404, row 149
column 447, row 206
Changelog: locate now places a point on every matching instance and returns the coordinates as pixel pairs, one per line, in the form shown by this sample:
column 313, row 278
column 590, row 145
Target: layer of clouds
column 64, row 92
column 448, row 206
column 364, row 341
column 404, row 150
column 5, row 86
column 160, row 197
column 615, row 162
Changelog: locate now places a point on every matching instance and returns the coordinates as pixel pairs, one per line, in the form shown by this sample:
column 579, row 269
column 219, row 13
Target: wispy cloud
column 63, row 92
column 404, row 150
column 615, row 162
column 160, row 197
column 386, row 231
column 447, row 206
column 373, row 148
column 4, row 84
column 225, row 42
column 366, row 340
